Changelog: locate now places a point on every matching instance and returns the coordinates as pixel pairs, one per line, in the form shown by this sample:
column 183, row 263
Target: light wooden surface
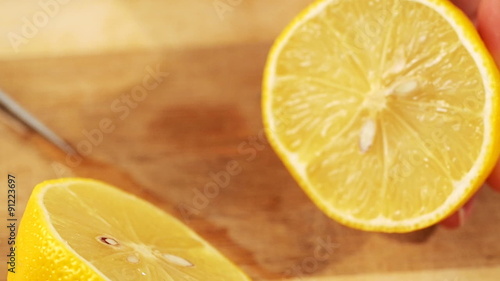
column 203, row 116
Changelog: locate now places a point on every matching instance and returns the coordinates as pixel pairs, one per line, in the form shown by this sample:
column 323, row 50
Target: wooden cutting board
column 163, row 100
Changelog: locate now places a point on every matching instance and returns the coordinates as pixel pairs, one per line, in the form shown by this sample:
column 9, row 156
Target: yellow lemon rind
column 37, row 238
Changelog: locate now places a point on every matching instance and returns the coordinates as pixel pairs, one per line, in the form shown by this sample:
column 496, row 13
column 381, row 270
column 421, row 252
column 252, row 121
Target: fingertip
column 458, row 218
column 494, row 178
column 455, row 220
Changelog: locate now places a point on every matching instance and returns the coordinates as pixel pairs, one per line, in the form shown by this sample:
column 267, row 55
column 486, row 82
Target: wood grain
column 200, row 122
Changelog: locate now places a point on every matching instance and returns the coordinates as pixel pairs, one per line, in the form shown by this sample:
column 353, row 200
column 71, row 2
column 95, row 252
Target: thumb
column 488, row 23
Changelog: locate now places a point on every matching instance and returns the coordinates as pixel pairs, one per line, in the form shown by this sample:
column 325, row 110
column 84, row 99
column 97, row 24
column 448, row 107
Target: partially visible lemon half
column 385, row 112
column 82, row 229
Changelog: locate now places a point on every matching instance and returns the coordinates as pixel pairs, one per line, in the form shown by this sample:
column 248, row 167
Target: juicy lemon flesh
column 379, row 110
column 122, row 237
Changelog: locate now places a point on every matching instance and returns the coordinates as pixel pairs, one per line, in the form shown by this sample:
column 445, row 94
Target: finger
column 469, row 7
column 488, row 23
column 457, row 219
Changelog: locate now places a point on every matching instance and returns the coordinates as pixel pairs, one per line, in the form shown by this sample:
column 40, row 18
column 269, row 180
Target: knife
column 21, row 114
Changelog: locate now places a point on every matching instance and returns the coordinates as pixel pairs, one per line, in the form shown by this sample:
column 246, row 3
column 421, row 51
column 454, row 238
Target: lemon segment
column 385, row 112
column 79, row 229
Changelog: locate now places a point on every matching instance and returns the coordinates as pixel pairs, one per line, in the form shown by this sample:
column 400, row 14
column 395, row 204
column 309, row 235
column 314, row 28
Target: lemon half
column 81, row 229
column 385, row 112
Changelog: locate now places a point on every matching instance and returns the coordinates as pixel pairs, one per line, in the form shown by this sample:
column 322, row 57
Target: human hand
column 486, row 16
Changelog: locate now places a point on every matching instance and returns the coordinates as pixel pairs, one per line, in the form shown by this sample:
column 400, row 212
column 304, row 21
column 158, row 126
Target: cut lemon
column 79, row 229
column 385, row 112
